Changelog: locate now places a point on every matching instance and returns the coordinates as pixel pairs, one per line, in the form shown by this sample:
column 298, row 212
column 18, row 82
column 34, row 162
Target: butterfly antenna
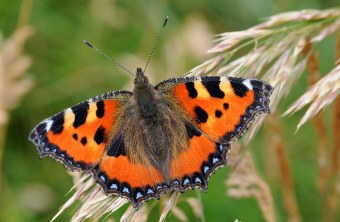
column 158, row 37
column 108, row 57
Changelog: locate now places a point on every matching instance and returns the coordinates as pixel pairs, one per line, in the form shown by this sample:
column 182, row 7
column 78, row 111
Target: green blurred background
column 66, row 72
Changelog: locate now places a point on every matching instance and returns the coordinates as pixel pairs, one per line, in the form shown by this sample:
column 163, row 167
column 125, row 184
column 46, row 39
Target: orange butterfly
column 141, row 144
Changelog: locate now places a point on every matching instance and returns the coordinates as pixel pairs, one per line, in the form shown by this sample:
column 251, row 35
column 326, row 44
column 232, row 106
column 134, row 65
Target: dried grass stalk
column 136, row 216
column 332, row 212
column 178, row 213
column 288, row 193
column 196, row 206
column 334, row 194
column 25, row 13
column 94, row 202
column 170, row 204
column 319, row 125
column 244, row 182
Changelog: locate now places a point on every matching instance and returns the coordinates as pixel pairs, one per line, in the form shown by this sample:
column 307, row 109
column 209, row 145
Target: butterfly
column 144, row 143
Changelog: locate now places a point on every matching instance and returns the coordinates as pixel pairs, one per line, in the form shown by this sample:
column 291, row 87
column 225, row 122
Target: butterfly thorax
column 153, row 131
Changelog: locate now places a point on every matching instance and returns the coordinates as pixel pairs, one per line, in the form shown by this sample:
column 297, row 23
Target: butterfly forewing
column 78, row 136
column 220, row 106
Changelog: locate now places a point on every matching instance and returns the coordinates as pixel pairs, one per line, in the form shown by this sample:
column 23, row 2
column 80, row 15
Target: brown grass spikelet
column 196, row 206
column 170, row 203
column 288, row 193
column 136, row 216
column 318, row 123
column 14, row 80
column 333, row 195
column 178, row 213
column 319, row 95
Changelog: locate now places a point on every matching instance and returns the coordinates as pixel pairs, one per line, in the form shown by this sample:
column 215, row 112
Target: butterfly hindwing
column 118, row 175
column 193, row 167
column 78, row 136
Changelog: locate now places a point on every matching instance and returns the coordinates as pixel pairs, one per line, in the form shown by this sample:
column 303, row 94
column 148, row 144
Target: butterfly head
column 141, row 81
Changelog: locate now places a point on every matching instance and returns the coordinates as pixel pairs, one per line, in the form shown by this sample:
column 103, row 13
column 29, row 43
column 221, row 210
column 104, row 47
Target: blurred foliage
column 66, row 72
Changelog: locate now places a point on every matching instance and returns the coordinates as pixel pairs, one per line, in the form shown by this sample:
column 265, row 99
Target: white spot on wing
column 139, row 195
column 248, row 84
column 150, row 191
column 221, row 147
column 126, row 190
column 49, row 123
column 215, row 160
column 206, row 168
column 102, row 178
column 114, row 186
column 68, row 110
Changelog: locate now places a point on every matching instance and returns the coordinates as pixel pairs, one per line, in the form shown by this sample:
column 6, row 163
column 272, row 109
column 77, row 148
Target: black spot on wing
column 201, row 115
column 100, row 109
column 99, row 135
column 83, row 141
column 75, row 136
column 238, row 87
column 212, row 84
column 117, row 146
column 191, row 130
column 225, row 106
column 58, row 123
column 191, row 89
column 218, row 113
column 80, row 112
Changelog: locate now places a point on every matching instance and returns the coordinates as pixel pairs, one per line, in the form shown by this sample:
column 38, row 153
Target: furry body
column 154, row 132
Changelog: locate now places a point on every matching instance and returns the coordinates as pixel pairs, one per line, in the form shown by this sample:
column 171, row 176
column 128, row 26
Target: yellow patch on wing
column 91, row 115
column 225, row 86
column 202, row 92
column 69, row 118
